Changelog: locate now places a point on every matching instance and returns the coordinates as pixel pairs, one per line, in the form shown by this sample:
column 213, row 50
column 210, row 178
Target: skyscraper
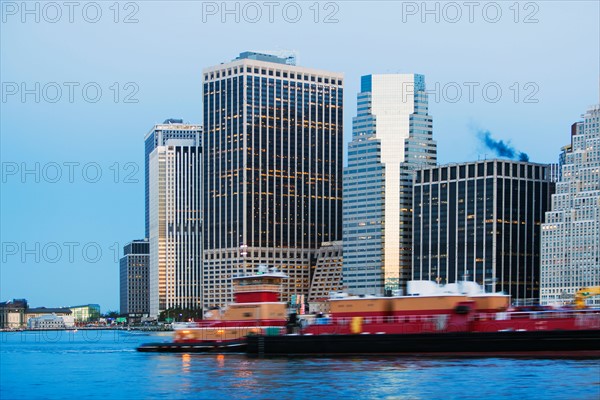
column 392, row 135
column 480, row 221
column 272, row 169
column 571, row 232
column 172, row 128
column 175, row 224
column 134, row 279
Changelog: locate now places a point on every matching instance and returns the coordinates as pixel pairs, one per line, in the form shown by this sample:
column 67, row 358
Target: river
column 104, row 365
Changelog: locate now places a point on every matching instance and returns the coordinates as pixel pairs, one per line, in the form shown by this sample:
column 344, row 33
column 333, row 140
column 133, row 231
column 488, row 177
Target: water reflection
column 220, row 360
column 27, row 373
column 185, row 363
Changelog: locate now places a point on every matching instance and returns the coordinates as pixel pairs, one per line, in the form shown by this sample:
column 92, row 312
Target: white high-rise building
column 571, row 234
column 170, row 129
column 175, row 225
column 391, row 136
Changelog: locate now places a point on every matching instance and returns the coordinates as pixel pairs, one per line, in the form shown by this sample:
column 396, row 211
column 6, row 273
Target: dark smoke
column 501, row 148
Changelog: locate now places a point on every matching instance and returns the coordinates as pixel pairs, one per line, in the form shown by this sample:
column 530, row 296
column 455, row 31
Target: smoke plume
column 500, row 147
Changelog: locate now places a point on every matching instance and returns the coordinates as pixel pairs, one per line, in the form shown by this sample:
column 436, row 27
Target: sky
column 82, row 84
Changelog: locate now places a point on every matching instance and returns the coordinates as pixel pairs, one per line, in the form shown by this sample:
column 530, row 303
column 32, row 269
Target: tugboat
column 255, row 311
column 458, row 319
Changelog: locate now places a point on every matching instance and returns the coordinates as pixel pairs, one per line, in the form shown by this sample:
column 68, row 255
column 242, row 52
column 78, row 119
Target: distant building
column 44, row 314
column 50, row 321
column 135, row 279
column 571, row 232
column 170, row 131
column 12, row 314
column 327, row 275
column 175, row 212
column 86, row 313
column 480, row 221
column 272, row 149
column 392, row 135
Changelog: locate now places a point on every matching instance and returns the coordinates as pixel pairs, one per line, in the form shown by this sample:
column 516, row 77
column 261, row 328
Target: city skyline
column 167, row 84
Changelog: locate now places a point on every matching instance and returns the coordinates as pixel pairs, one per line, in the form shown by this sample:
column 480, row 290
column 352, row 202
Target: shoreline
column 92, row 328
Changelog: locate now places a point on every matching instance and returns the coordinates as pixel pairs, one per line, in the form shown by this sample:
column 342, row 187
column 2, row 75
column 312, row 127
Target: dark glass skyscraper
column 134, row 278
column 480, row 221
column 272, row 169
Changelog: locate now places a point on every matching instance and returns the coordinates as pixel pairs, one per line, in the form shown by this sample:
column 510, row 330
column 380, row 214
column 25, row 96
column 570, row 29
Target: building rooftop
column 14, row 303
column 44, row 310
column 253, row 55
column 86, row 305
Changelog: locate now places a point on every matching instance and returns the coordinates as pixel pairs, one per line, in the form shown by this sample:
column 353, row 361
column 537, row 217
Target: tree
column 179, row 314
column 111, row 314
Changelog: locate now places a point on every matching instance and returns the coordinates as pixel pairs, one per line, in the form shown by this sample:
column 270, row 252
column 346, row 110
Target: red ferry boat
column 458, row 320
column 257, row 310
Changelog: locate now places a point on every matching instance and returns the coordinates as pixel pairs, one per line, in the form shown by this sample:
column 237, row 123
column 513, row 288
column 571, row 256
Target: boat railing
column 385, row 319
column 546, row 314
column 397, row 319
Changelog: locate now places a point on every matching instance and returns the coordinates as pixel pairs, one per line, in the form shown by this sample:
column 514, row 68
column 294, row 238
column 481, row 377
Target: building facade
column 571, row 232
column 171, row 130
column 175, row 211
column 135, row 279
column 392, row 135
column 84, row 313
column 272, row 143
column 51, row 321
column 327, row 275
column 480, row 221
column 12, row 314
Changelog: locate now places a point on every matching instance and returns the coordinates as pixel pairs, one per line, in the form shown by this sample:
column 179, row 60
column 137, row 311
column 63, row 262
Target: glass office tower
column 480, row 221
column 392, row 135
column 272, row 169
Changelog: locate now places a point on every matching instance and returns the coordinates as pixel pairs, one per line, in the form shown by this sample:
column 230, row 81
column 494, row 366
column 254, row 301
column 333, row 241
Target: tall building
column 135, row 279
column 571, row 232
column 171, row 129
column 327, row 275
column 175, row 231
column 392, row 135
column 480, row 221
column 272, row 148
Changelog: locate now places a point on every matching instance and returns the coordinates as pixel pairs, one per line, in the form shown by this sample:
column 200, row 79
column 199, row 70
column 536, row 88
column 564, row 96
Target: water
column 105, row 365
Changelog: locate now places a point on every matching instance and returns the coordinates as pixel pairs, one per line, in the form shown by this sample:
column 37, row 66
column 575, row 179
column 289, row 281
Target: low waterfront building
column 39, row 312
column 86, row 313
column 51, row 321
column 12, row 314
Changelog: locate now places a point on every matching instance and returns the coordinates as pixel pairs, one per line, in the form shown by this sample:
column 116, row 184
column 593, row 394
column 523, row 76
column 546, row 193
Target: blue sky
column 549, row 56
